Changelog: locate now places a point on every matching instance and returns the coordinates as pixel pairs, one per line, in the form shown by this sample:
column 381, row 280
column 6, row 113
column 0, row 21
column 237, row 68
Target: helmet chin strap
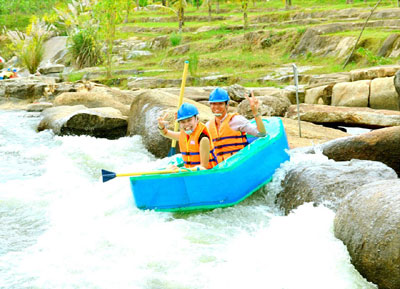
column 218, row 114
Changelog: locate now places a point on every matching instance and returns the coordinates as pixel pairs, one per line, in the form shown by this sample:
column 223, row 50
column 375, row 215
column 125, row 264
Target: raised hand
column 253, row 101
column 162, row 122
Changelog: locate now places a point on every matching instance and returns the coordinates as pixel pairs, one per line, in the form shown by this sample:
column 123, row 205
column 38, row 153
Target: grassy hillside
column 245, row 55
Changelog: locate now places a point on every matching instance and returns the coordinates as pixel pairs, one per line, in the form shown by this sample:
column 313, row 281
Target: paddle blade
column 172, row 151
column 107, row 175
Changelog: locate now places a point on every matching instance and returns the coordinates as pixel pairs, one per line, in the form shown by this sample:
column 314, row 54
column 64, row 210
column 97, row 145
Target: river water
column 61, row 227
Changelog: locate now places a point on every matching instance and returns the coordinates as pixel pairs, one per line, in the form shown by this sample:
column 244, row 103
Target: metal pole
column 296, row 83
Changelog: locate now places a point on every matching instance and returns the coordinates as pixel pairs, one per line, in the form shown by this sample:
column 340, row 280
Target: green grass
column 16, row 21
column 221, row 51
column 75, row 76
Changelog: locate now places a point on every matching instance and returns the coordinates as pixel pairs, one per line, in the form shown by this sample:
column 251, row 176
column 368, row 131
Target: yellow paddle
column 172, row 151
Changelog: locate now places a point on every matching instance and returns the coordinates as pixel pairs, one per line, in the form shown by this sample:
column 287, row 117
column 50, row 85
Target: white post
column 296, row 83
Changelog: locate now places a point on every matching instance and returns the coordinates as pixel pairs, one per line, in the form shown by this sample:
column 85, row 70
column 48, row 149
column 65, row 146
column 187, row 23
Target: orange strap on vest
column 226, row 140
column 190, row 147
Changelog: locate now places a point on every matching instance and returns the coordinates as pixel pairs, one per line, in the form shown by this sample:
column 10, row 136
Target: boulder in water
column 368, row 223
column 328, row 182
column 105, row 122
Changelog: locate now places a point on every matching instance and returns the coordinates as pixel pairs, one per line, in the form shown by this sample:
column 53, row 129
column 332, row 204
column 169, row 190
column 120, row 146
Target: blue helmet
column 219, row 95
column 187, row 110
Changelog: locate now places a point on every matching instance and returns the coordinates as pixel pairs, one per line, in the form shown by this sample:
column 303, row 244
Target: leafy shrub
column 84, row 48
column 82, row 27
column 301, row 30
column 142, row 3
column 193, row 63
column 175, row 38
column 371, row 58
column 29, row 46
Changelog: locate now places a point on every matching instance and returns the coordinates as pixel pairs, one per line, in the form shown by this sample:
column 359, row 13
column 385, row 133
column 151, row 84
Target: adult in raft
column 194, row 139
column 228, row 130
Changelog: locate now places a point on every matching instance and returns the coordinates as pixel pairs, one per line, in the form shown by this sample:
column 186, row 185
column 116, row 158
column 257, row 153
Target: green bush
column 175, row 38
column 29, row 46
column 85, row 49
column 142, row 3
column 371, row 58
column 32, row 54
column 193, row 63
column 301, row 30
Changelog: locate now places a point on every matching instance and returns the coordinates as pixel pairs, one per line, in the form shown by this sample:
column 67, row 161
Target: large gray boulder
column 374, row 72
column 146, row 108
column 311, row 134
column 237, row 92
column 104, row 122
column 346, row 116
column 383, row 94
column 379, row 145
column 368, row 223
column 22, row 88
column 314, row 42
column 51, row 68
column 98, row 97
column 387, row 45
column 329, row 79
column 55, row 50
column 329, row 182
column 319, row 95
column 396, row 82
column 355, row 94
column 269, row 106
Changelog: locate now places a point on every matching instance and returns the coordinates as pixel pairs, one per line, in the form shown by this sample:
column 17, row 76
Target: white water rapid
column 61, row 227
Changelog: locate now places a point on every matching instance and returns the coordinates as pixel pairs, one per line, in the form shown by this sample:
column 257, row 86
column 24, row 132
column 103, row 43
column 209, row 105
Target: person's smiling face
column 219, row 109
column 188, row 124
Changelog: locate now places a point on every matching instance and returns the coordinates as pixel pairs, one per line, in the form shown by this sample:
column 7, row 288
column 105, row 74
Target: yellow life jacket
column 190, row 147
column 226, row 140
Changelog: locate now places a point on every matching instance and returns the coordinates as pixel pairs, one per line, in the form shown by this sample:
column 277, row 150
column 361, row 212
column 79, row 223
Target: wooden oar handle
column 181, row 93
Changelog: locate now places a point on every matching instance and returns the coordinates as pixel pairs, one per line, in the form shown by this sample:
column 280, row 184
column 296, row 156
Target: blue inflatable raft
column 225, row 185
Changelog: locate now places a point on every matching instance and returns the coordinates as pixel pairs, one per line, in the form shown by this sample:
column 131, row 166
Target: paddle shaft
column 153, row 173
column 146, row 173
column 184, row 75
column 108, row 175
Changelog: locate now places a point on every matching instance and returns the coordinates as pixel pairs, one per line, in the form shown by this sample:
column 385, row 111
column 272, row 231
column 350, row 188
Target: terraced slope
column 221, row 52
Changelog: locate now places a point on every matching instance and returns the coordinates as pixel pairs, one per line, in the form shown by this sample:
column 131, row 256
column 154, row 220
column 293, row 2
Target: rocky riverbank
column 369, row 162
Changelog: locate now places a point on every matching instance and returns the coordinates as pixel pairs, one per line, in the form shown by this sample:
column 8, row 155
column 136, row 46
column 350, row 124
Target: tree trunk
column 245, row 4
column 217, row 8
column 164, row 2
column 181, row 20
column 128, row 8
column 137, row 5
column 209, row 10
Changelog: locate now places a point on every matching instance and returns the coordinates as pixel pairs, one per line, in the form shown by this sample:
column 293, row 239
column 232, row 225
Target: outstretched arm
column 204, row 153
column 164, row 131
column 254, row 104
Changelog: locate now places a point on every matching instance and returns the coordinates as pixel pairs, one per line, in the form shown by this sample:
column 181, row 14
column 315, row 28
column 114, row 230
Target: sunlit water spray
column 61, row 227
